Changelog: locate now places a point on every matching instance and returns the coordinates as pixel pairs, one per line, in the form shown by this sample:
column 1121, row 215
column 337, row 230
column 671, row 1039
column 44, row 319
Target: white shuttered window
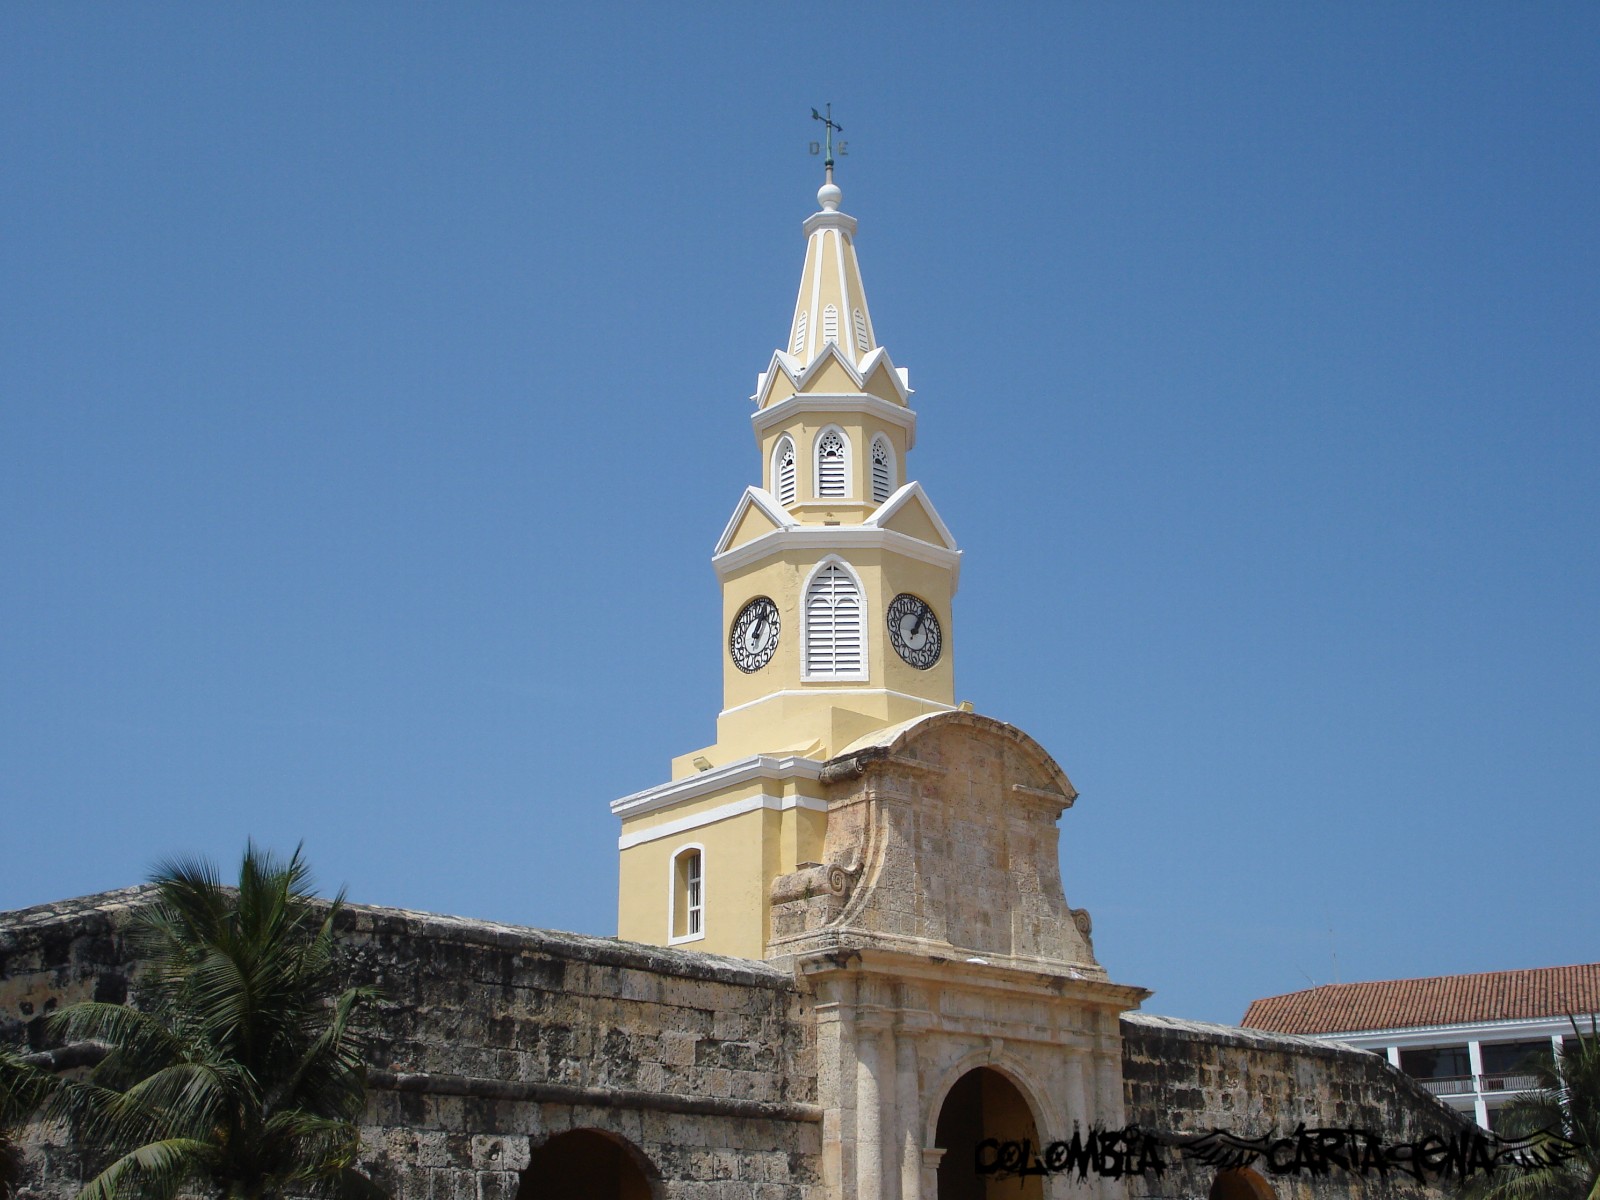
column 833, row 466
column 835, row 642
column 863, row 342
column 799, row 347
column 783, row 471
column 830, row 324
column 882, row 469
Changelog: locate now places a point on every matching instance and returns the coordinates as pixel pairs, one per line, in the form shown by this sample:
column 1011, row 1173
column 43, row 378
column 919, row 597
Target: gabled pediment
column 909, row 511
column 832, row 371
column 757, row 514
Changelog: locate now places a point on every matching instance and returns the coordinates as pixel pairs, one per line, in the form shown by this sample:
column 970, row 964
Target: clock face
column 914, row 631
column 754, row 636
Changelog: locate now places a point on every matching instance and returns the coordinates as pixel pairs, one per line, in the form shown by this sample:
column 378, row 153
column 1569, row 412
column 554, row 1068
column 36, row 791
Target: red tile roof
column 1441, row 1000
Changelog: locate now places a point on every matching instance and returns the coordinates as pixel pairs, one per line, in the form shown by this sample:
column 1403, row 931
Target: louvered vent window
column 863, row 342
column 783, row 472
column 831, row 467
column 834, row 641
column 882, row 470
column 799, row 335
column 830, row 324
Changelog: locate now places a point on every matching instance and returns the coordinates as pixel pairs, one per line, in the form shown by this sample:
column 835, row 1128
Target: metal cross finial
column 827, row 163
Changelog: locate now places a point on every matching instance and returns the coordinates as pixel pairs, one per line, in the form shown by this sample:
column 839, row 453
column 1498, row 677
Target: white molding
column 848, row 341
column 734, row 808
column 813, row 326
column 829, row 219
column 767, row 503
column 935, row 705
column 743, row 770
column 858, row 375
column 1410, row 1037
column 862, row 675
column 845, row 539
column 863, row 403
column 900, row 498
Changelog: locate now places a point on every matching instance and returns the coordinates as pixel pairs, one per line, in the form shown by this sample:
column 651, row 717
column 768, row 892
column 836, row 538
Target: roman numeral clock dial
column 754, row 636
column 914, row 631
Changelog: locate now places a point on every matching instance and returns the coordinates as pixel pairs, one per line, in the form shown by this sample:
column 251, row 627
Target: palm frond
column 157, row 1170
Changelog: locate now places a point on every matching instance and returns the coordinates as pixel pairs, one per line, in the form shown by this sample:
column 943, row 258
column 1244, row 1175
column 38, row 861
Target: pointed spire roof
column 832, row 304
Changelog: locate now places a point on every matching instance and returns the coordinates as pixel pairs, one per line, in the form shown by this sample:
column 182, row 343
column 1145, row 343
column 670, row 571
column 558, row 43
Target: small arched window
column 882, row 469
column 783, row 470
column 863, row 342
column 833, row 464
column 830, row 324
column 835, row 645
column 688, row 909
column 799, row 347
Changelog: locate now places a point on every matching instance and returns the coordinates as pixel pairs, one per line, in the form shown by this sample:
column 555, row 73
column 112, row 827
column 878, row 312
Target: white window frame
column 830, row 324
column 816, row 463
column 894, row 473
column 695, row 917
column 806, row 673
column 777, row 471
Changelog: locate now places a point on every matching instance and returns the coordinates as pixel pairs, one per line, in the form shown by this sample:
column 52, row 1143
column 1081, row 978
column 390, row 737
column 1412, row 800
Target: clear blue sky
column 373, row 387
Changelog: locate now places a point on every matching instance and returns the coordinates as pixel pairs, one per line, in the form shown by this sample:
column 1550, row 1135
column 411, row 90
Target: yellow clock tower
column 837, row 581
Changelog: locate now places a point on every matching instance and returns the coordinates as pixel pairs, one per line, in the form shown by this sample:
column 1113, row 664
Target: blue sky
column 373, row 387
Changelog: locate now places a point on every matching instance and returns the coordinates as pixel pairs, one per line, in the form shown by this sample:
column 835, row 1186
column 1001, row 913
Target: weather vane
column 833, row 127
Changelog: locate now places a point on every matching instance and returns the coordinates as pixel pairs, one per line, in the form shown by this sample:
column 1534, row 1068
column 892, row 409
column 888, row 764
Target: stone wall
column 496, row 1038
column 1191, row 1077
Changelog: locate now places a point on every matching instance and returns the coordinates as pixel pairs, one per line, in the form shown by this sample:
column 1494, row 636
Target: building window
column 799, row 335
column 834, row 640
column 833, row 464
column 687, row 920
column 882, row 469
column 863, row 342
column 1436, row 1062
column 783, row 470
column 830, row 324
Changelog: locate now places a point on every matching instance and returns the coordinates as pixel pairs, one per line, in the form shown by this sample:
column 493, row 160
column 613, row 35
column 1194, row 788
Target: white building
column 1466, row 1038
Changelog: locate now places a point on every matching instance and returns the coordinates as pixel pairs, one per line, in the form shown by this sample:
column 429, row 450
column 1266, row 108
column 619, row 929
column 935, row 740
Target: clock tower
column 837, row 581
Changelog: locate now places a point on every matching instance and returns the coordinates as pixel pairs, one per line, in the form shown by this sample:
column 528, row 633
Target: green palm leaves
column 1568, row 1102
column 242, row 1071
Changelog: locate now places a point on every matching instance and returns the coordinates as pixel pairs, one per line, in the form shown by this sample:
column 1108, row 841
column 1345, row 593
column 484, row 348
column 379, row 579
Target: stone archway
column 983, row 1104
column 587, row 1164
column 1240, row 1183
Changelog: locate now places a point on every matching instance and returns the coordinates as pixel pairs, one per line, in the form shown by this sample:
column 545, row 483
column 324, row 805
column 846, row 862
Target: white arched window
column 863, row 342
column 830, row 324
column 783, row 470
column 687, row 918
column 835, row 640
column 833, row 463
column 882, row 469
column 799, row 335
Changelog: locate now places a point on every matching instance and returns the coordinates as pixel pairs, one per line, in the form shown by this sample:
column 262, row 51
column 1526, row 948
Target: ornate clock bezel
column 747, row 660
column 928, row 654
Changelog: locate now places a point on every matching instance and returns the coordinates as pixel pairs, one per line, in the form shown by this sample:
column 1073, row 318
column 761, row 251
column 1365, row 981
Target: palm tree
column 1567, row 1102
column 241, row 1073
column 23, row 1088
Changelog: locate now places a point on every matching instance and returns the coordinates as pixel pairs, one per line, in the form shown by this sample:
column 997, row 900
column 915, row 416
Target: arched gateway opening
column 984, row 1104
column 586, row 1164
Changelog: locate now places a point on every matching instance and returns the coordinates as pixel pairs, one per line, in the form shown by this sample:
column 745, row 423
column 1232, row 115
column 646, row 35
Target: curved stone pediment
column 941, row 840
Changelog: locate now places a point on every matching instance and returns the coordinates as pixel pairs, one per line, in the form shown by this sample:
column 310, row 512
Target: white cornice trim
column 829, row 219
column 754, row 497
column 835, row 402
column 744, row 770
column 899, row 500
column 1427, row 1035
column 810, row 539
column 722, row 812
column 934, row 705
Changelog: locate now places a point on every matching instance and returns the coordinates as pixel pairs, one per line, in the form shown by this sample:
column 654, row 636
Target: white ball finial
column 828, row 195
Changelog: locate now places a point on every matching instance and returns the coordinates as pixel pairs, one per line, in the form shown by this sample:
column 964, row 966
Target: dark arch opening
column 983, row 1104
column 1240, row 1183
column 586, row 1164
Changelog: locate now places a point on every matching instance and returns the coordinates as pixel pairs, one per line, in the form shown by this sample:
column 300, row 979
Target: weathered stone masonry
column 496, row 1038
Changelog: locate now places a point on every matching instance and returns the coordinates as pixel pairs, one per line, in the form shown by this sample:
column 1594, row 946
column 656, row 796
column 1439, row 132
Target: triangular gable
column 832, row 368
column 758, row 513
column 909, row 511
